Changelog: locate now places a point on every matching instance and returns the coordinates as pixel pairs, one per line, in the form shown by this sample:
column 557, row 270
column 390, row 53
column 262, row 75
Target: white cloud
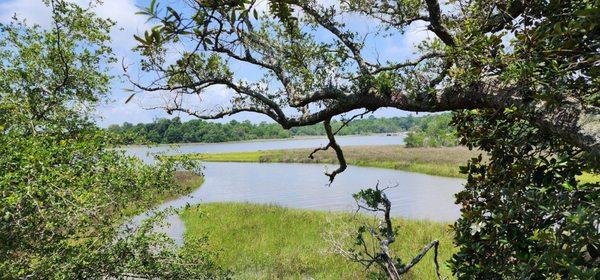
column 33, row 10
column 118, row 112
column 121, row 11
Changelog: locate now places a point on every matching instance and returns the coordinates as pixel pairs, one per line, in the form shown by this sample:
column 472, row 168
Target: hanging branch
column 333, row 144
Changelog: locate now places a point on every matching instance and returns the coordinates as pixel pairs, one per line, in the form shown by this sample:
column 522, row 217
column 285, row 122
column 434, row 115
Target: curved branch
column 436, row 24
column 328, row 24
column 338, row 151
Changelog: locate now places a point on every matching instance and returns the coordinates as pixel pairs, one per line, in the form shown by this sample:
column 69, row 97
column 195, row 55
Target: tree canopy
column 65, row 199
column 522, row 78
column 538, row 57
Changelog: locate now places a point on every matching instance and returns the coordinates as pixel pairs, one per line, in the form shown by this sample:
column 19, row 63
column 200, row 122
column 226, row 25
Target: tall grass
column 443, row 161
column 272, row 242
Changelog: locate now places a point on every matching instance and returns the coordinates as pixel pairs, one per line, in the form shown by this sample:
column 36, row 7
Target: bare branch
column 338, row 151
column 396, row 66
column 436, row 23
column 434, row 244
column 375, row 200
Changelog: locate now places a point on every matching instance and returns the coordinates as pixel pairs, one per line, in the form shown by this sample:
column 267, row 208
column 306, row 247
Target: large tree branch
column 356, row 84
column 568, row 118
column 338, row 151
column 436, row 23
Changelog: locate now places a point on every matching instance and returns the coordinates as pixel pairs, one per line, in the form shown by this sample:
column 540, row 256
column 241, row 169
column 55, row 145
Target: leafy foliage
column 175, row 131
column 524, row 214
column 64, row 198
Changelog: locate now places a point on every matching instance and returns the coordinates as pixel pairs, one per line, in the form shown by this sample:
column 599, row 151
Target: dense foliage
column 63, row 201
column 175, row 131
column 65, row 198
column 432, row 131
column 524, row 214
column 526, row 72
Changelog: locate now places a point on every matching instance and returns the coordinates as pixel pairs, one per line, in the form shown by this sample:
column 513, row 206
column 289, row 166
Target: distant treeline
column 167, row 131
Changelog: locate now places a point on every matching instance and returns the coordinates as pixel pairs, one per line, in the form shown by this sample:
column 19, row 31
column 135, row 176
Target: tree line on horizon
column 428, row 130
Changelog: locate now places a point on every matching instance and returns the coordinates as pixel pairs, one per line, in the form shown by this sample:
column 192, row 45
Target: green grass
column 433, row 161
column 589, row 178
column 271, row 242
column 443, row 161
column 230, row 157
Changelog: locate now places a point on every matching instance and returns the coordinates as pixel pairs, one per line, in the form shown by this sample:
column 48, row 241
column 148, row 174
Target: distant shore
column 301, row 137
column 443, row 161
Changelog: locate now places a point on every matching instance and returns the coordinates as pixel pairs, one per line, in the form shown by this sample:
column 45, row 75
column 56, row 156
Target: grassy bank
column 433, row 161
column 443, row 161
column 185, row 181
column 271, row 242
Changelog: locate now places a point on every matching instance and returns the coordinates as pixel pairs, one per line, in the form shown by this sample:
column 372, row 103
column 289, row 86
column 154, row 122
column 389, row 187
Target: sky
column 115, row 111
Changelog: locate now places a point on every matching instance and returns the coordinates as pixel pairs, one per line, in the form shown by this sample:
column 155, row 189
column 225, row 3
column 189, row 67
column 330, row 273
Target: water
column 146, row 153
column 416, row 196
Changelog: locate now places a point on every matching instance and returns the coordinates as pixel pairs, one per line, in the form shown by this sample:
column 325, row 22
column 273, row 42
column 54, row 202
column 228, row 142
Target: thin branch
column 328, row 24
column 346, row 122
column 57, row 28
column 415, row 62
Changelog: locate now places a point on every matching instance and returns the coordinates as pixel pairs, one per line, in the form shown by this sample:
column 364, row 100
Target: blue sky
column 115, row 111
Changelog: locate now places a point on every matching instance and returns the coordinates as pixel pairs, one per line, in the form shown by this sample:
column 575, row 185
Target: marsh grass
column 443, row 161
column 589, row 178
column 272, row 242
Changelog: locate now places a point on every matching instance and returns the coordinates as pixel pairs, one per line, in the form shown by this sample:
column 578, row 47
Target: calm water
column 259, row 145
column 416, row 196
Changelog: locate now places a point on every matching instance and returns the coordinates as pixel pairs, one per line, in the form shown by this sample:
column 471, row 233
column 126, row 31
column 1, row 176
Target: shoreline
column 443, row 161
column 302, row 137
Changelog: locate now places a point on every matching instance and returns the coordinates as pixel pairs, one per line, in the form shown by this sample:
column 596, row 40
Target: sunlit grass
column 589, row 178
column 229, row 157
column 433, row 161
column 272, row 242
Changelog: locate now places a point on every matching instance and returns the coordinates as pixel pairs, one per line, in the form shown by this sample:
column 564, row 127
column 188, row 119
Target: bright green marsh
column 272, row 242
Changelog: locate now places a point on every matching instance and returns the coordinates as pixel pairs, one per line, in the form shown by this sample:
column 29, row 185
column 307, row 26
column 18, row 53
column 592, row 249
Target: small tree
column 64, row 197
column 382, row 235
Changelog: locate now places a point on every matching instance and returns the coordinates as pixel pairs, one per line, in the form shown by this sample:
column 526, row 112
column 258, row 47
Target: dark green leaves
column 524, row 209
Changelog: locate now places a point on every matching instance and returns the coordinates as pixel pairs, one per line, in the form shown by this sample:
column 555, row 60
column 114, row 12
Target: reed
column 271, row 242
column 443, row 161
